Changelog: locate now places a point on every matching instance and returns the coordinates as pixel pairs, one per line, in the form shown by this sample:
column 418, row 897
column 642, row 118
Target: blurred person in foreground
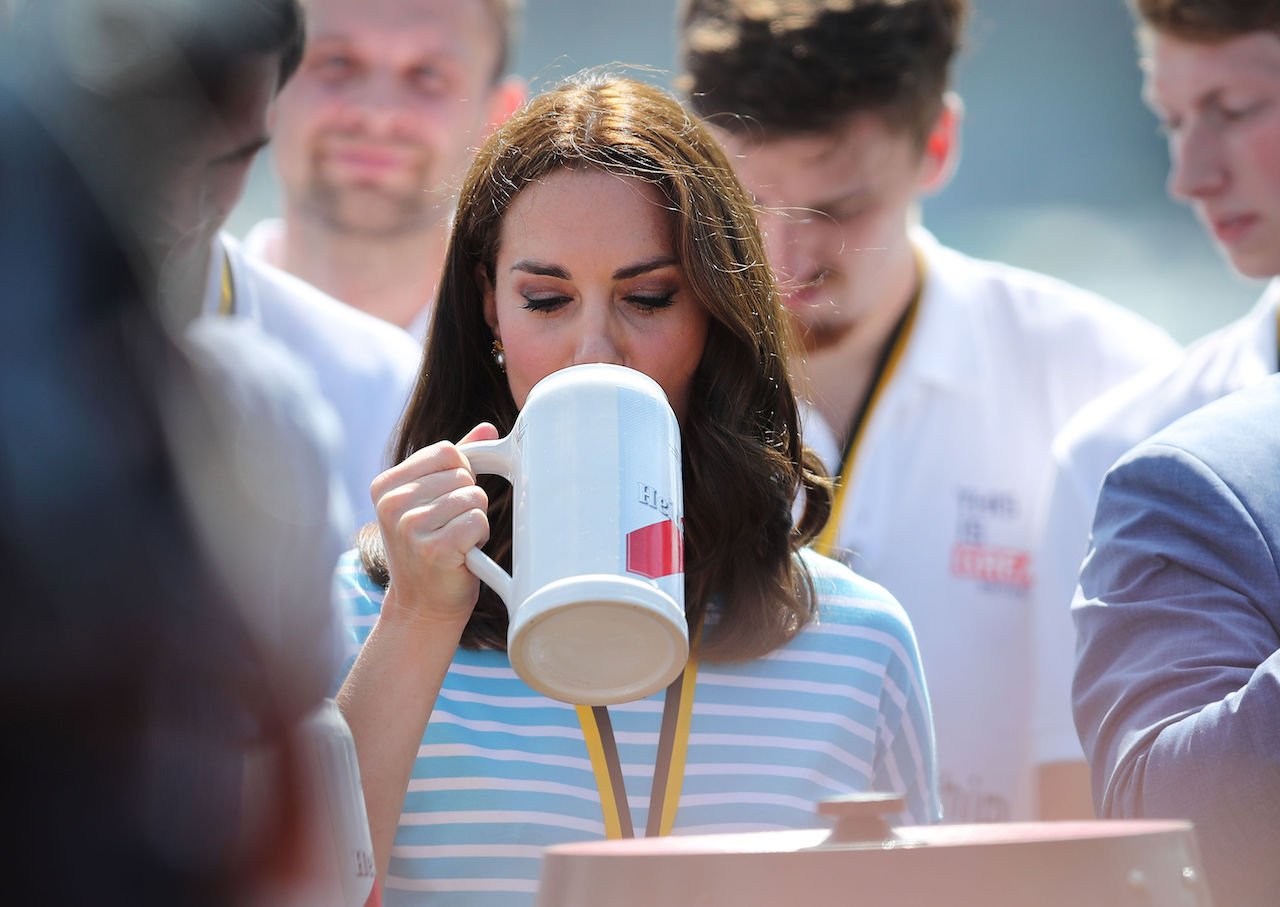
column 168, row 535
column 602, row 223
column 363, row 366
column 1176, row 610
column 372, row 137
column 935, row 381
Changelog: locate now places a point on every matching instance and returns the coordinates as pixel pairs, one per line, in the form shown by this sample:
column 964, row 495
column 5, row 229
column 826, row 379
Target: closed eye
column 652, row 302
column 241, row 155
column 1232, row 114
column 544, row 303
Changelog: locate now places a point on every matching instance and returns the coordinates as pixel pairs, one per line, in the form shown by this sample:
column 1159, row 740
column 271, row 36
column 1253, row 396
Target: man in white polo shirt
column 363, row 366
column 936, row 381
column 373, row 137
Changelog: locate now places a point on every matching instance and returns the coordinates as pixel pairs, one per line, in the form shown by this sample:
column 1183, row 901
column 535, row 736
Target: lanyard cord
column 227, row 304
column 887, row 364
column 668, row 769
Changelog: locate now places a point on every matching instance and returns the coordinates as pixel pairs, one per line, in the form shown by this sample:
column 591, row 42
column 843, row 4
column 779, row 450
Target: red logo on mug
column 656, row 550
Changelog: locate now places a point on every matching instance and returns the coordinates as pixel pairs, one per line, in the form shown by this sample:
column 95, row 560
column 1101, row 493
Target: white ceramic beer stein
column 596, row 591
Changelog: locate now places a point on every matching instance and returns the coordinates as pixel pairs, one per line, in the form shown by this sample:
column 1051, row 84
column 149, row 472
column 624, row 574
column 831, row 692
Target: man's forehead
column 788, row 170
column 1177, row 69
column 450, row 18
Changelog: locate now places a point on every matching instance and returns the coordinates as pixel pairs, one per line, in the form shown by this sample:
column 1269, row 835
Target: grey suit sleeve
column 1177, row 684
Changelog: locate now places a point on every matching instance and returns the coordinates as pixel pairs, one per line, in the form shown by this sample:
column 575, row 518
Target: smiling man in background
column 373, row 136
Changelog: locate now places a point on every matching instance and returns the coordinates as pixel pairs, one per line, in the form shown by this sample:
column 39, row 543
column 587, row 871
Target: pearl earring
column 499, row 355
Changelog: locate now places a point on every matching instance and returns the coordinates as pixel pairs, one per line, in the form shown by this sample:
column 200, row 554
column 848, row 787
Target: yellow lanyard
column 826, row 541
column 227, row 304
column 668, row 769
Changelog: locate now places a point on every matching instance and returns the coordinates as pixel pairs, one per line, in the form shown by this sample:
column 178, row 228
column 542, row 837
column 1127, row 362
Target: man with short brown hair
column 1205, row 21
column 935, row 381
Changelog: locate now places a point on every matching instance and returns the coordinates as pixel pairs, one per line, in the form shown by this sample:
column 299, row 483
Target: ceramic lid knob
column 861, row 817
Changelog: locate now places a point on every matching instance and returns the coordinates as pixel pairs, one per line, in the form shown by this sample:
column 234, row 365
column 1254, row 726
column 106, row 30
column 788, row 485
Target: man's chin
column 1262, row 265
column 819, row 336
column 361, row 213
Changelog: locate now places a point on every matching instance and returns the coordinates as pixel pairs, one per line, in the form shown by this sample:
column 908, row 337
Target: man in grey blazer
column 1177, row 685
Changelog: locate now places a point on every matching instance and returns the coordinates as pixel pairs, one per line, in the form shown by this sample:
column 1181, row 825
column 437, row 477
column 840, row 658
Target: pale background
column 1063, row 169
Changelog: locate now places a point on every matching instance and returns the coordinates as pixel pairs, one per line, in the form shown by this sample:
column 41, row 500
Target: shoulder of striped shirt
column 352, row 584
column 843, row 592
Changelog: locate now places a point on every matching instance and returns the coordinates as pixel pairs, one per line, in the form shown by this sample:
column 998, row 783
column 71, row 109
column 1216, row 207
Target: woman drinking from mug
column 602, row 224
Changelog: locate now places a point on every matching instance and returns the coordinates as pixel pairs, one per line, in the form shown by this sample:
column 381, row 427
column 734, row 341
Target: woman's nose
column 598, row 341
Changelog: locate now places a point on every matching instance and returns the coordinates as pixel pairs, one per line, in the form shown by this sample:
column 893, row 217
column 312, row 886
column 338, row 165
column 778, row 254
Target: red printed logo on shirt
column 988, row 564
column 655, row 551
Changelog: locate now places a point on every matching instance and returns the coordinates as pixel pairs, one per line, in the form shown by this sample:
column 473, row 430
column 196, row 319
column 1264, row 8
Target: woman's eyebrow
column 643, row 267
column 543, row 270
column 547, row 270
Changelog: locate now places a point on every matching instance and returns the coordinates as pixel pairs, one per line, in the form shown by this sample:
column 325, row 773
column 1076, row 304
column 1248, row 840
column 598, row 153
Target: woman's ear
column 490, row 305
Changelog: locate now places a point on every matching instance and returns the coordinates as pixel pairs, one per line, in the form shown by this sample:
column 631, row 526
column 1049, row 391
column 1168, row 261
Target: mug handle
column 492, row 458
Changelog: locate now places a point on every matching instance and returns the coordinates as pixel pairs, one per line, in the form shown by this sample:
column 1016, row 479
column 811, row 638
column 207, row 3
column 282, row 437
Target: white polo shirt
column 942, row 507
column 364, row 367
column 268, row 233
column 1231, row 358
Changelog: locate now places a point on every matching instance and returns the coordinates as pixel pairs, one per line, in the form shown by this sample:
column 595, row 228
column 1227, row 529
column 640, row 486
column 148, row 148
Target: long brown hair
column 743, row 458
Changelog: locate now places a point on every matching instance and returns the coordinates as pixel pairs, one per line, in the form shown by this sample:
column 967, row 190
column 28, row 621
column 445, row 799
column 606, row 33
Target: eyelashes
column 652, row 301
column 544, row 303
column 645, row 302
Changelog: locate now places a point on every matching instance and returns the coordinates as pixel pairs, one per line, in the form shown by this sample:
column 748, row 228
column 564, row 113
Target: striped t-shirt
column 504, row 772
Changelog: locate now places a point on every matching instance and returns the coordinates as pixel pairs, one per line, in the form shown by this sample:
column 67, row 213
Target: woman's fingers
column 450, row 524
column 432, row 513
column 435, row 458
column 482, row 432
column 415, row 492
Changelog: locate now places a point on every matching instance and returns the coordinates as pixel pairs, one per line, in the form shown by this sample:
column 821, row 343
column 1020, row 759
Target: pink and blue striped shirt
column 504, row 772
